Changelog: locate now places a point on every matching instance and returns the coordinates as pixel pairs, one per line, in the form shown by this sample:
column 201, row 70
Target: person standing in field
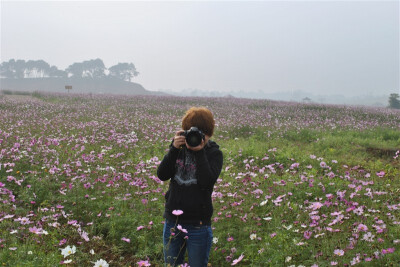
column 192, row 171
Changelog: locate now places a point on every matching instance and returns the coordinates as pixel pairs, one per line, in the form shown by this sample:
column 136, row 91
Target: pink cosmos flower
column 139, row 228
column 177, row 212
column 316, row 205
column 143, row 263
column 126, row 239
column 307, row 234
column 387, row 251
column 238, row 259
column 362, row 228
column 331, row 175
column 338, row 252
column 35, row 230
column 294, row 165
column 181, row 229
column 380, row 174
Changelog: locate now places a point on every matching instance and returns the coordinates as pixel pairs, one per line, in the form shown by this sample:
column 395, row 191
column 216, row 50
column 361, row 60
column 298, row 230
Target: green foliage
column 394, row 101
column 6, row 92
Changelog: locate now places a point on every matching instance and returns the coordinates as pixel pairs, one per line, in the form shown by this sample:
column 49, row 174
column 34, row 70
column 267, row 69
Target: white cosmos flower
column 68, row 251
column 100, row 263
column 91, row 251
column 253, row 236
column 287, row 227
column 67, row 261
column 215, row 240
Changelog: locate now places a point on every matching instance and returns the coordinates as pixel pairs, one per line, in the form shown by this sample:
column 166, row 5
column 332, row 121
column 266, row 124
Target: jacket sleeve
column 208, row 169
column 166, row 169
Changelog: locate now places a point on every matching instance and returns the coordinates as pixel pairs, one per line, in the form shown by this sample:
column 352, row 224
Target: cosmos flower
column 68, row 251
column 307, row 234
column 338, row 252
column 143, row 263
column 101, row 263
column 238, row 259
column 35, row 230
column 177, row 212
column 182, row 229
column 362, row 228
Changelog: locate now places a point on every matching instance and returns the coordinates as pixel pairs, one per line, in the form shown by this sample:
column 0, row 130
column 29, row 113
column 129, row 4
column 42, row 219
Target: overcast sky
column 325, row 47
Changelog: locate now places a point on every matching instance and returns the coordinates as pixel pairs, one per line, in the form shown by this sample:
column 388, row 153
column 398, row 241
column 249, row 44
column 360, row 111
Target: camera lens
column 194, row 139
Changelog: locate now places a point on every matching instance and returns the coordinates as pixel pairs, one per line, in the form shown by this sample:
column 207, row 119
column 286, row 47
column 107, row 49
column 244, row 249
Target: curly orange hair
column 200, row 117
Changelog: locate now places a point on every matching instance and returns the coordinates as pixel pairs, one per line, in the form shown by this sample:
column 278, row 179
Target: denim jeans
column 197, row 242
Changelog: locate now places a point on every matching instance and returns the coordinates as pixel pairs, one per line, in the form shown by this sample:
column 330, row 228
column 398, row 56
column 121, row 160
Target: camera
column 193, row 136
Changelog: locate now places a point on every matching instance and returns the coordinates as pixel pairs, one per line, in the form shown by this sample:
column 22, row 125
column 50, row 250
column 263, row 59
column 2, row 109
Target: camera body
column 193, row 136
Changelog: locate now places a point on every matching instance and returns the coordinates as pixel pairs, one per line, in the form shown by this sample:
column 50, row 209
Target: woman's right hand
column 179, row 140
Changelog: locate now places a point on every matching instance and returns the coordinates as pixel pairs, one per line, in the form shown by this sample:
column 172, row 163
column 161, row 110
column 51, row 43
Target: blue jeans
column 197, row 242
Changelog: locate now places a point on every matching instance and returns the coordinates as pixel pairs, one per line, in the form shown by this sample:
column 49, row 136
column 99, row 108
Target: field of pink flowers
column 302, row 184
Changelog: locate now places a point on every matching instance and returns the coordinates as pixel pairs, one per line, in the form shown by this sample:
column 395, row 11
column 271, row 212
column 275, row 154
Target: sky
column 325, row 47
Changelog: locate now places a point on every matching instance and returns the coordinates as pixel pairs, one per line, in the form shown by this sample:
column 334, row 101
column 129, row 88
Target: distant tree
column 56, row 73
column 75, row 70
column 28, row 69
column 91, row 68
column 94, row 68
column 7, row 69
column 394, row 101
column 36, row 69
column 123, row 71
column 13, row 68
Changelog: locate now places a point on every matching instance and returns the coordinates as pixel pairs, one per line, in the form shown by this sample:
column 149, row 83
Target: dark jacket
column 193, row 175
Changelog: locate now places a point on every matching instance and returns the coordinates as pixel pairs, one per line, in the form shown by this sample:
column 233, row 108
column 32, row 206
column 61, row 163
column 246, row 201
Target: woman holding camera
column 193, row 164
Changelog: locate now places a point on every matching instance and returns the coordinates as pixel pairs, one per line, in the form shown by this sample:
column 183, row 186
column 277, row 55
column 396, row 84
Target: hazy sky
column 317, row 46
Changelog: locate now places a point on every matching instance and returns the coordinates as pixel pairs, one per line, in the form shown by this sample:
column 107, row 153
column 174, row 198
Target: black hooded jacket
column 193, row 175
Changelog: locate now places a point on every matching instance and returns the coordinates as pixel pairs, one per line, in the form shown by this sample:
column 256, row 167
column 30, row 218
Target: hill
column 79, row 85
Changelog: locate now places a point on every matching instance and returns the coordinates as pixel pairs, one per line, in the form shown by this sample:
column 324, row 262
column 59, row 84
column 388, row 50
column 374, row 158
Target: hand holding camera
column 194, row 139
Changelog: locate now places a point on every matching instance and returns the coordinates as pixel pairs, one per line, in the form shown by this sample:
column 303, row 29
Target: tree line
column 394, row 101
column 94, row 68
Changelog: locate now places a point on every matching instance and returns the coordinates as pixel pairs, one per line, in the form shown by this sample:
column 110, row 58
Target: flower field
column 301, row 185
